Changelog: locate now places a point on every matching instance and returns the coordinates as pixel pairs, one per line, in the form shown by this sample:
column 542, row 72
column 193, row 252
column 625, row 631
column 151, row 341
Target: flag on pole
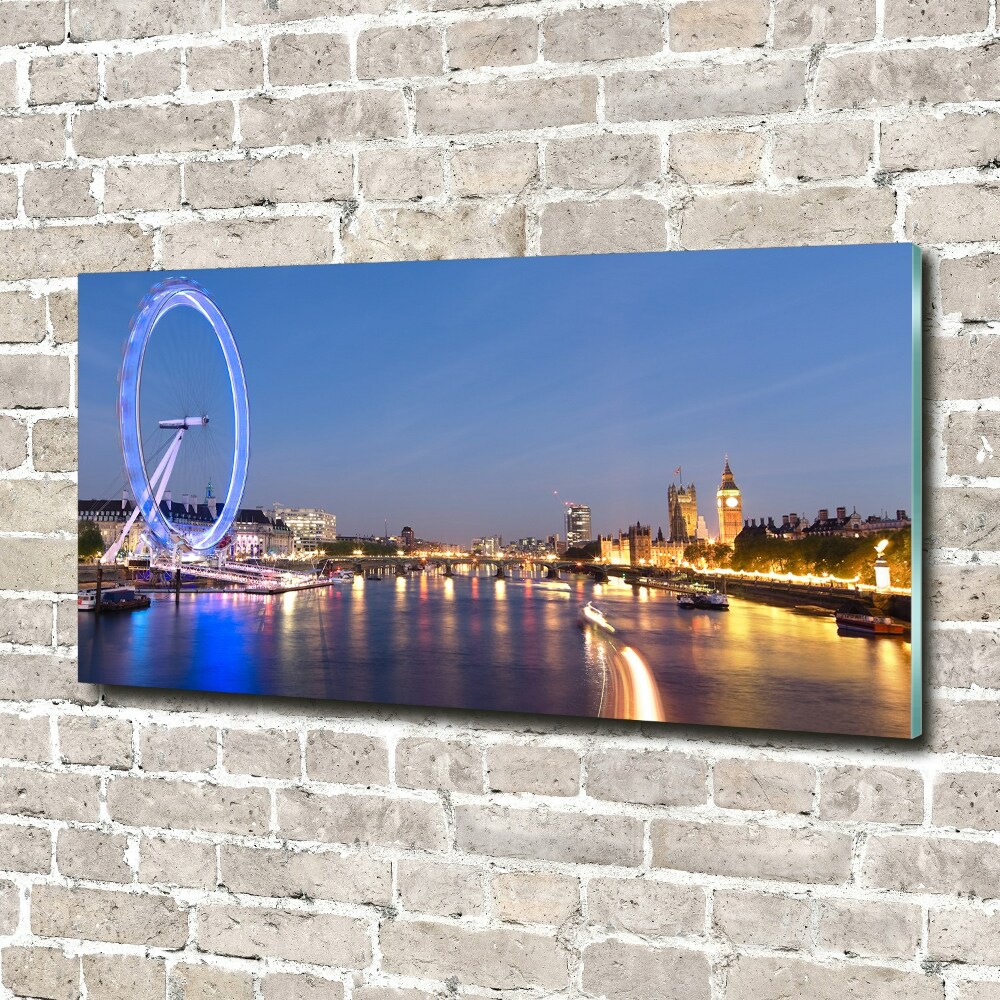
column 677, row 471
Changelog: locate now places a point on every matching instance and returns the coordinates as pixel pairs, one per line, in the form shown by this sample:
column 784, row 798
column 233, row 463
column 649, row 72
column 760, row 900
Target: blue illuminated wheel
column 141, row 368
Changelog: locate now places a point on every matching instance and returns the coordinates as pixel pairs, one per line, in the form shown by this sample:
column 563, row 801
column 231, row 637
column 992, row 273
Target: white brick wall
column 158, row 845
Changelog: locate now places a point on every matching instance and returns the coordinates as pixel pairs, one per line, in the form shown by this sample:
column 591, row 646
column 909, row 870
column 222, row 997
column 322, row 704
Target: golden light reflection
column 501, row 590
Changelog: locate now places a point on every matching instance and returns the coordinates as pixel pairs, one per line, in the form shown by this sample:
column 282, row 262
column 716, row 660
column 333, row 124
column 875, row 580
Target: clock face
column 731, row 501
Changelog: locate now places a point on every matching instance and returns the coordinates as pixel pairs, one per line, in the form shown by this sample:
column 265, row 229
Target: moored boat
column 342, row 576
column 866, row 624
column 112, row 599
column 712, row 601
column 686, row 602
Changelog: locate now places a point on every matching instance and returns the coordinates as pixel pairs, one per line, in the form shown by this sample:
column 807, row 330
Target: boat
column 591, row 614
column 866, row 624
column 342, row 576
column 112, row 599
column 686, row 602
column 712, row 601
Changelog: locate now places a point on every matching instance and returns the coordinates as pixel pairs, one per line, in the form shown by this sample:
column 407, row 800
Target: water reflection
column 513, row 645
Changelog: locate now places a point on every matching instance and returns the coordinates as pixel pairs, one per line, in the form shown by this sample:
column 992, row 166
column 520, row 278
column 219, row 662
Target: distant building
column 702, row 527
column 311, row 526
column 840, row 524
column 578, row 530
column 729, row 500
column 682, row 509
column 407, row 537
column 640, row 544
column 490, row 545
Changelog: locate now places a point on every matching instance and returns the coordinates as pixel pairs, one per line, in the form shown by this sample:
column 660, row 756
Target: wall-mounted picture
column 671, row 487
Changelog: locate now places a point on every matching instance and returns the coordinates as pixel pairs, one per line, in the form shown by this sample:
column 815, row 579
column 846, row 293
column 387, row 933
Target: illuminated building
column 682, row 507
column 490, row 545
column 640, row 544
column 578, row 531
column 407, row 537
column 310, row 526
column 729, row 500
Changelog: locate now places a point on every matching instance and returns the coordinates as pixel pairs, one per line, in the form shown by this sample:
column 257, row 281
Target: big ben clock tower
column 729, row 500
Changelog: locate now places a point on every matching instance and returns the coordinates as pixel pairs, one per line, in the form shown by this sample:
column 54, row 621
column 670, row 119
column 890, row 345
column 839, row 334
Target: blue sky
column 475, row 397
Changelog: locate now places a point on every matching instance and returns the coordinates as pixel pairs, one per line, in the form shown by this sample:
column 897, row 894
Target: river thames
column 513, row 645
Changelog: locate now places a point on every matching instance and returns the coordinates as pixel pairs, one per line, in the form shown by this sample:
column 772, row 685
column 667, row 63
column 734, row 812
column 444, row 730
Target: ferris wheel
column 182, row 378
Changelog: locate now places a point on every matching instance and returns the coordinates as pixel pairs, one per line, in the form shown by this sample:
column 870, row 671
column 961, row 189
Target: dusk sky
column 469, row 398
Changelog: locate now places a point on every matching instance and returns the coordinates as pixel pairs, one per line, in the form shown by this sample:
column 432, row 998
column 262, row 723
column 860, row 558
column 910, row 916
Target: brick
column 142, row 187
column 90, row 20
column 971, row 286
column 36, row 563
column 233, row 66
column 969, row 435
column 535, row 897
column 247, row 242
column 596, row 34
column 159, row 129
column 783, row 786
column 954, row 213
column 958, row 368
column 401, row 174
column 62, row 316
column 30, row 138
column 168, row 861
column 28, row 22
column 66, row 624
column 752, row 851
column 869, row 928
column 25, row 849
column 509, row 41
column 13, row 443
column 932, row 142
column 347, row 758
column 963, row 934
column 621, row 970
column 661, row 778
column 976, row 990
column 54, row 444
column 963, row 727
column 485, row 170
column 603, row 161
column 63, row 79
column 627, row 225
column 10, row 907
column 959, row 518
column 961, row 658
column 178, row 748
column 142, row 74
column 644, row 906
column 718, row 24
column 810, row 22
column 347, row 877
column 206, row 982
column 44, row 973
column 123, row 977
column 391, row 993
column 474, row 957
column 764, row 218
column 962, row 593
column 288, row 11
column 447, row 765
column 90, row 739
column 59, row 193
column 907, row 76
column 28, row 676
column 766, row 978
column 535, row 769
column 967, row 800
column 871, row 795
column 448, row 890
column 23, row 319
column 462, row 232
column 503, row 831
column 506, row 104
column 8, row 85
column 308, row 59
column 932, row 864
column 705, row 91
column 49, row 795
column 319, row 177
column 822, row 152
column 359, row 114
column 8, row 196
column 93, row 854
column 410, row 50
column 181, row 805
column 25, row 737
column 63, row 251
column 255, row 932
column 920, row 18
column 364, row 819
column 263, row 753
column 299, row 986
column 99, row 915
column 762, row 919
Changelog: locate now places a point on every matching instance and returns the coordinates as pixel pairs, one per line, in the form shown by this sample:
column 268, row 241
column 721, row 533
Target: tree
column 90, row 543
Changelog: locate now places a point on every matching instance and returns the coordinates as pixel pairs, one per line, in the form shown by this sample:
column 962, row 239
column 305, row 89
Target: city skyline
column 592, row 383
